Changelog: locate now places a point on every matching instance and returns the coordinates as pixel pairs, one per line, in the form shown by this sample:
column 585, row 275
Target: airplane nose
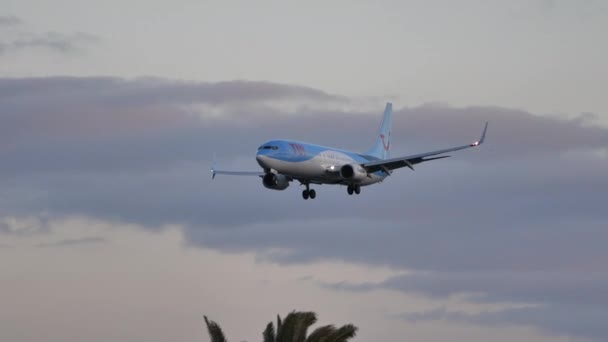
column 261, row 160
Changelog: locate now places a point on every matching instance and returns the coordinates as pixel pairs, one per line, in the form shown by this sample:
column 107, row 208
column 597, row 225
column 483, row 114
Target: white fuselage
column 322, row 167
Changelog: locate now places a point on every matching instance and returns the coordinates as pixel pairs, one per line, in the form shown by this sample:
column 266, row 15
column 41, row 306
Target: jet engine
column 275, row 181
column 354, row 173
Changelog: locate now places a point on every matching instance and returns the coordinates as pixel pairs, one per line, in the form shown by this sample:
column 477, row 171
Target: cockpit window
column 268, row 147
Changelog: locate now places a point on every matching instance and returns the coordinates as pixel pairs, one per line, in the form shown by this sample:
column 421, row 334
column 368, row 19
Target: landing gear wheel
column 306, row 194
column 350, row 189
column 312, row 193
column 357, row 189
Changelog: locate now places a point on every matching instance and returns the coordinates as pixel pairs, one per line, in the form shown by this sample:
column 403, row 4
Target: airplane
column 285, row 161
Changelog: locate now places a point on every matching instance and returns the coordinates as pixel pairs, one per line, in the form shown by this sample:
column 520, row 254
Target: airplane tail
column 383, row 143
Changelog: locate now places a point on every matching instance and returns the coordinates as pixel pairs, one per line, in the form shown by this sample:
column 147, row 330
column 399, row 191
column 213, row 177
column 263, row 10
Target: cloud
column 87, row 141
column 53, row 41
column 26, row 225
column 73, row 242
column 50, row 41
column 10, row 21
column 587, row 321
column 519, row 220
column 547, row 5
column 518, row 286
column 570, row 303
column 15, row 41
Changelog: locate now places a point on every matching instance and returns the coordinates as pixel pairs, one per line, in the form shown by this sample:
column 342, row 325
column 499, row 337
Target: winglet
column 213, row 167
column 483, row 136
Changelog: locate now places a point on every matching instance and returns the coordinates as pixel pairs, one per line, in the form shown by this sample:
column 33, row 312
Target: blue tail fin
column 383, row 143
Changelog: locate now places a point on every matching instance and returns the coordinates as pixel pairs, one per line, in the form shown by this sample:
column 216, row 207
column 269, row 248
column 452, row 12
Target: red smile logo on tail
column 384, row 144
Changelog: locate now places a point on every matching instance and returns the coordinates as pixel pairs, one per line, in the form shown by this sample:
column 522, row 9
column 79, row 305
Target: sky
column 112, row 230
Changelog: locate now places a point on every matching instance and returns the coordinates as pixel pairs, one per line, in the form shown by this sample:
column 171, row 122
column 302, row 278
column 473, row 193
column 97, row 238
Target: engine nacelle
column 275, row 181
column 354, row 173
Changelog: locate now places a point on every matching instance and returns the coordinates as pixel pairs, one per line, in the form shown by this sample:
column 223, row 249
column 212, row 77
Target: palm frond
column 215, row 331
column 304, row 321
column 295, row 326
column 321, row 333
column 269, row 335
column 343, row 334
column 288, row 327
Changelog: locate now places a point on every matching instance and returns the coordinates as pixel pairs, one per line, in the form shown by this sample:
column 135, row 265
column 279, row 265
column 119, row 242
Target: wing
column 214, row 171
column 387, row 165
column 236, row 173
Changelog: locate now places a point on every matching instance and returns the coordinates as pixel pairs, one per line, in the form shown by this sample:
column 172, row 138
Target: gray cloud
column 58, row 42
column 120, row 119
column 73, row 242
column 570, row 303
column 22, row 226
column 587, row 321
column 538, row 287
column 53, row 41
column 9, row 20
column 520, row 220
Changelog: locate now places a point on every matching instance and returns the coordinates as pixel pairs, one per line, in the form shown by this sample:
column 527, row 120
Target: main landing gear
column 353, row 188
column 309, row 193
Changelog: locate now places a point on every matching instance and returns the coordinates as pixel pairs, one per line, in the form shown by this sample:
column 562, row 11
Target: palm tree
column 215, row 332
column 293, row 328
